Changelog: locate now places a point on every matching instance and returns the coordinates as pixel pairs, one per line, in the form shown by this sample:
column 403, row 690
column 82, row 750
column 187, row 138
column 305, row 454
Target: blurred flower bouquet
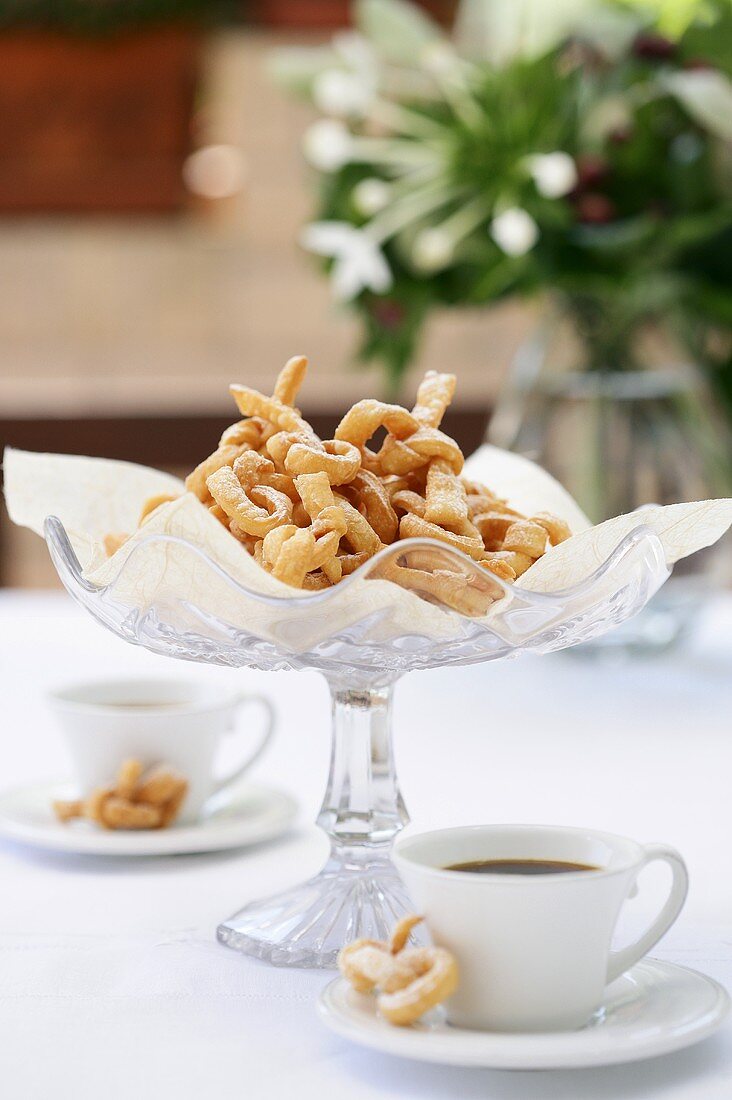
column 578, row 147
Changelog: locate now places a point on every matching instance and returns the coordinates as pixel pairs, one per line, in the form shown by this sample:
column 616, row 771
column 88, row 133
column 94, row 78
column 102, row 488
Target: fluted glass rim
column 56, row 535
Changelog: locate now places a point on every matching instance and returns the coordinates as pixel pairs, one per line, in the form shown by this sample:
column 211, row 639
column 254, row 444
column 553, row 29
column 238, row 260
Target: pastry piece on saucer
column 136, row 801
column 409, row 980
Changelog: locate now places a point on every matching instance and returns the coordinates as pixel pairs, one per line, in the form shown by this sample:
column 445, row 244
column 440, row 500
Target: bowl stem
column 358, row 892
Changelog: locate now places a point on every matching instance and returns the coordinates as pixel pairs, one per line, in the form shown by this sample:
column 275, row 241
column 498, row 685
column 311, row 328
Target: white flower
column 356, row 51
column 359, row 263
column 439, row 59
column 327, row 145
column 342, row 94
column 707, row 96
column 554, row 174
column 432, row 249
column 514, row 231
column 370, row 196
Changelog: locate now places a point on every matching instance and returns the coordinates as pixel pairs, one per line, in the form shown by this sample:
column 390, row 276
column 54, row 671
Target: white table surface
column 111, row 983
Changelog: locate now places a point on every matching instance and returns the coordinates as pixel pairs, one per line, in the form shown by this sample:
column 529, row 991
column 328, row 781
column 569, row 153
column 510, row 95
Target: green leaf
column 710, row 36
column 617, row 236
column 694, row 229
column 672, row 16
column 499, row 280
column 712, row 303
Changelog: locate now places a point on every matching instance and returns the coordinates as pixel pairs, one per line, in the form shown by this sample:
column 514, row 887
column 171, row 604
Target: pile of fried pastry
column 311, row 511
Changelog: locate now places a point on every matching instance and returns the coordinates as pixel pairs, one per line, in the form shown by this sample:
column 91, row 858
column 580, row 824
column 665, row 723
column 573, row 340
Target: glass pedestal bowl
column 362, row 634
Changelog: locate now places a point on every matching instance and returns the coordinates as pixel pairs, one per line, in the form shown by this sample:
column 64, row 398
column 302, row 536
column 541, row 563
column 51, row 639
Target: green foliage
column 392, row 328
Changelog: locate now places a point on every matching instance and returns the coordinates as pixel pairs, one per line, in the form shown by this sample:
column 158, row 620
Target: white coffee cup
column 534, row 951
column 157, row 721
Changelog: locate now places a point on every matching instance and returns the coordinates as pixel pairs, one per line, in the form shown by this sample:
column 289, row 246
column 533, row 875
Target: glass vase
column 619, row 439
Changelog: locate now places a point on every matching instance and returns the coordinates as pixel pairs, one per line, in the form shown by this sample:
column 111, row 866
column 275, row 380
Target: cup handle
column 243, row 700
column 622, row 960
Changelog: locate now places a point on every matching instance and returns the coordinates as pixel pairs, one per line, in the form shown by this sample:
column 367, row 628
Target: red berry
column 653, row 47
column 591, row 170
column 387, row 313
column 595, row 209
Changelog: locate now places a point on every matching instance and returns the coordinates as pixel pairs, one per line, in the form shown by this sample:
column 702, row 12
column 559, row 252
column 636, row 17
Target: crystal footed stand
column 358, row 892
column 362, row 634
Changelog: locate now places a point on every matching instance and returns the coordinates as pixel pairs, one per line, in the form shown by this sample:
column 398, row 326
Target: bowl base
column 307, row 925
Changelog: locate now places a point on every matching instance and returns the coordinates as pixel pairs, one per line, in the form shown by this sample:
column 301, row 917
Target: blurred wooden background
column 120, row 335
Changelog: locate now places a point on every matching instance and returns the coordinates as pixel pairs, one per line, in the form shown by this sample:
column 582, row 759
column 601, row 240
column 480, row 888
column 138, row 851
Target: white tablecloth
column 111, row 984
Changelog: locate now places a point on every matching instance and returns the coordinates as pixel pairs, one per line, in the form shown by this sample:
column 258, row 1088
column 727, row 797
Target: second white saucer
column 656, row 1008
column 251, row 815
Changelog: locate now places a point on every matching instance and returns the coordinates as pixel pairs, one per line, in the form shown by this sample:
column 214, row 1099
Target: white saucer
column 655, row 1008
column 251, row 815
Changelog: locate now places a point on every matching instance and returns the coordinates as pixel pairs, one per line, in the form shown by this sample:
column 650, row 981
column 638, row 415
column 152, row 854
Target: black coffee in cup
column 520, row 867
